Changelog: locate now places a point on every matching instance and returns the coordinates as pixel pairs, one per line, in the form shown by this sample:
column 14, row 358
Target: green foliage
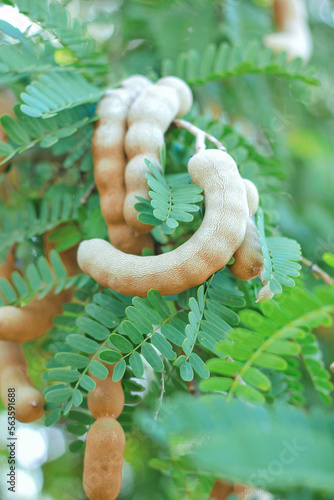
column 40, row 279
column 56, row 92
column 226, row 61
column 21, row 225
column 173, row 199
column 280, row 256
column 261, row 441
column 271, row 340
column 26, row 132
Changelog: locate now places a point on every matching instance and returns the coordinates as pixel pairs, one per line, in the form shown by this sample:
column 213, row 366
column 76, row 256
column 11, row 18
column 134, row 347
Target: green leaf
column 199, row 365
column 110, row 356
column 159, row 304
column 119, row 370
column 98, row 370
column 76, row 446
column 58, row 395
column 152, row 357
column 172, row 334
column 120, row 343
column 132, row 332
column 87, row 383
column 93, row 328
column 163, row 346
column 214, row 384
column 76, row 429
column 53, row 417
column 137, row 364
column 83, row 344
column 223, row 366
column 139, row 320
column 186, row 372
column 62, row 375
column 249, row 394
column 72, row 359
column 102, row 315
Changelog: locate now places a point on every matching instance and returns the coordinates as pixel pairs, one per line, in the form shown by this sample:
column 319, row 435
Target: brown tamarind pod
column 102, row 475
column 149, row 117
column 206, row 252
column 294, row 35
column 8, row 267
column 109, row 162
column 221, row 490
column 17, row 389
column 107, row 399
column 21, row 324
column 248, row 259
column 7, row 101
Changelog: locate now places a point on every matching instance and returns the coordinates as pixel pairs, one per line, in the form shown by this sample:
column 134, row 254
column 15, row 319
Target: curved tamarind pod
column 208, row 250
column 149, row 117
column 21, row 324
column 7, row 101
column 107, row 399
column 29, row 402
column 252, row 197
column 110, row 162
column 249, row 258
column 102, row 474
column 294, row 36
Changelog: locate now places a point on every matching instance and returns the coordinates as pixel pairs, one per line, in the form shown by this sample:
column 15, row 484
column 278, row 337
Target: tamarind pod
column 252, row 197
column 248, row 257
column 29, row 402
column 7, row 101
column 8, row 267
column 110, row 162
column 207, row 251
column 221, row 490
column 107, row 399
column 250, row 493
column 102, row 474
column 294, row 36
column 21, row 324
column 149, row 117
column 287, row 13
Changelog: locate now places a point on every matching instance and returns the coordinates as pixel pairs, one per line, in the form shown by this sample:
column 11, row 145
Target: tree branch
column 200, row 135
column 318, row 271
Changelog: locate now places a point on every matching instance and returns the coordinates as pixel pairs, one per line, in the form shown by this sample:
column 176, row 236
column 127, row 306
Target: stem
column 87, row 194
column 161, row 394
column 318, row 271
column 200, row 135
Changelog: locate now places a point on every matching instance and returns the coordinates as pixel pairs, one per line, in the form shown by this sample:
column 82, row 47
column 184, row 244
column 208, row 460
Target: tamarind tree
column 185, row 149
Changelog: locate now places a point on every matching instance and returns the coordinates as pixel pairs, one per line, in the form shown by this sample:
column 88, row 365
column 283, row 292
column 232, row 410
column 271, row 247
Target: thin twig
column 161, row 394
column 317, row 271
column 200, row 135
column 87, row 194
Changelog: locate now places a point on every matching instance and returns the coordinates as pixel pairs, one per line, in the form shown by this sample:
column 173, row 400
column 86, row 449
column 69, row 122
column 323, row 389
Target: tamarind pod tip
column 265, row 294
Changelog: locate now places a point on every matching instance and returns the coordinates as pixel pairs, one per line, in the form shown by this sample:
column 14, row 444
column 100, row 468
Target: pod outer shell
column 105, row 443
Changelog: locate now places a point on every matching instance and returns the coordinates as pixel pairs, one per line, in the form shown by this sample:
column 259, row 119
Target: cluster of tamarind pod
column 227, row 229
